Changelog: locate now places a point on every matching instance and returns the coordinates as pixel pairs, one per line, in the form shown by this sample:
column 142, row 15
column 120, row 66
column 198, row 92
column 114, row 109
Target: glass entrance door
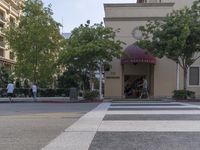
column 133, row 85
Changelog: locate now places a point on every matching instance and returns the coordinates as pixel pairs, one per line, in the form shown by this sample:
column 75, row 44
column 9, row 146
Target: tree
column 89, row 47
column 176, row 37
column 36, row 42
column 69, row 79
column 18, row 83
column 4, row 77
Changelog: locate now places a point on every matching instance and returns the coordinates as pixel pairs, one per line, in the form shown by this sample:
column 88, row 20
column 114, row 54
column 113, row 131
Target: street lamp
column 177, row 75
column 100, row 81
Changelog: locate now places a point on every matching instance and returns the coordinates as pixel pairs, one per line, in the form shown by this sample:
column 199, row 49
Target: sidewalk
column 39, row 99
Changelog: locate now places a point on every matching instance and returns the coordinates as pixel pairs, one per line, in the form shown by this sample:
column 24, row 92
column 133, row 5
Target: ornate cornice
column 132, row 18
column 140, row 5
column 7, row 61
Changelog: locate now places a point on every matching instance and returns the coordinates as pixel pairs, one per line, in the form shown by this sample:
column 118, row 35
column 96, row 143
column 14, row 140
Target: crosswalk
column 134, row 126
column 121, row 121
column 149, row 126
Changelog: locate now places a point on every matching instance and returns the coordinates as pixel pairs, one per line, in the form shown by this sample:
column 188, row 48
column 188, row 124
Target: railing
column 15, row 2
column 41, row 92
column 5, row 3
column 14, row 11
column 5, row 60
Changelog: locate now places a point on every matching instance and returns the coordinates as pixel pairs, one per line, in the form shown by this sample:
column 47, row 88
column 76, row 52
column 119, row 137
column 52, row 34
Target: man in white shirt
column 10, row 89
column 34, row 91
column 144, row 89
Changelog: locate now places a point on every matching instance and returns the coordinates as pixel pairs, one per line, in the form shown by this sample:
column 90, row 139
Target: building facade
column 163, row 75
column 9, row 15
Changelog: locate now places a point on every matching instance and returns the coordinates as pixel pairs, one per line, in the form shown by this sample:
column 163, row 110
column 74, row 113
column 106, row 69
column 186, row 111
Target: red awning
column 134, row 54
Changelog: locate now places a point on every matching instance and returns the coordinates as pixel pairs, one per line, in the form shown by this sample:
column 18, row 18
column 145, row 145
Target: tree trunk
column 35, row 64
column 185, row 69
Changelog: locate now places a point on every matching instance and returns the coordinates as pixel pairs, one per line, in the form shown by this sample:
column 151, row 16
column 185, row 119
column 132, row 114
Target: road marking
column 80, row 135
column 42, row 115
column 151, row 126
column 154, row 112
column 121, row 107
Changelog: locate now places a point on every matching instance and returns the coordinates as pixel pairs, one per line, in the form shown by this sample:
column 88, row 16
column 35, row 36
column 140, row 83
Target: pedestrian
column 10, row 89
column 144, row 91
column 34, row 91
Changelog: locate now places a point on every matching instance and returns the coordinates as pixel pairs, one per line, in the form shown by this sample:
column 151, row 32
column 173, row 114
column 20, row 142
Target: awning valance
column 134, row 54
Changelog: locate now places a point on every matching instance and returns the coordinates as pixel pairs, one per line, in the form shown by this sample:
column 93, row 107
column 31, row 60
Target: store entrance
column 133, row 85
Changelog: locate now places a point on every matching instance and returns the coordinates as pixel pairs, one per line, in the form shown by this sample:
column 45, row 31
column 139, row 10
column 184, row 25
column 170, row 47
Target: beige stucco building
column 163, row 75
column 9, row 15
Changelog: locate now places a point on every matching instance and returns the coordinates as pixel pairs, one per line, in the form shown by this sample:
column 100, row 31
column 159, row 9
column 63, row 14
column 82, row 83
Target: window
column 194, row 76
column 1, row 52
column 12, row 21
column 12, row 56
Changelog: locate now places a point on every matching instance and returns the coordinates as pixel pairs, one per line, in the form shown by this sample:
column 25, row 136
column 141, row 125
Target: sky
column 72, row 13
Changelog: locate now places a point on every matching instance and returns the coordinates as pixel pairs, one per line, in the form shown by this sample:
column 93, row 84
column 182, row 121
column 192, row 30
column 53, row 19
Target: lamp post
column 100, row 82
column 177, row 76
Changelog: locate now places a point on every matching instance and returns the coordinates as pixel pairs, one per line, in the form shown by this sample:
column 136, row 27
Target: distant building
column 66, row 35
column 161, row 74
column 9, row 15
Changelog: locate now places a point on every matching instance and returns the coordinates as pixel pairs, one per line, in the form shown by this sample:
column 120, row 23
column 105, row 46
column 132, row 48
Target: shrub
column 53, row 92
column 3, row 92
column 183, row 94
column 91, row 95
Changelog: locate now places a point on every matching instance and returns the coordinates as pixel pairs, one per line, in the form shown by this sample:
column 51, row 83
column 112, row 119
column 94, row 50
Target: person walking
column 34, row 92
column 144, row 89
column 10, row 89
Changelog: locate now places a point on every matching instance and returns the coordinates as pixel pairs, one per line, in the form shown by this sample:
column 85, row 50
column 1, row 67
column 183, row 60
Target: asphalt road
column 31, row 126
column 146, row 141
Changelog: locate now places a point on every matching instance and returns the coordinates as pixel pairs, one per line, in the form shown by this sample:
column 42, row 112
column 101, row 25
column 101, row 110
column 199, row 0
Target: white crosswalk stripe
column 80, row 135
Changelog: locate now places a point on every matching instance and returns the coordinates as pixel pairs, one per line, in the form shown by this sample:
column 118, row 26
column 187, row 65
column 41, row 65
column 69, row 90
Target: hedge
column 91, row 95
column 24, row 92
column 183, row 94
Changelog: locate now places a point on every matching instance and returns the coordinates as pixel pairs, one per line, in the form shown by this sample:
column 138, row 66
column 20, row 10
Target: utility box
column 73, row 94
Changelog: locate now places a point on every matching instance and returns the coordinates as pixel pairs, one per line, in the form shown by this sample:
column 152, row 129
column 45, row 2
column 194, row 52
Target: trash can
column 73, row 94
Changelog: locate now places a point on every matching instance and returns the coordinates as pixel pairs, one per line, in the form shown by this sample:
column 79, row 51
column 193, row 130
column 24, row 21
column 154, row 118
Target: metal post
column 100, row 82
column 177, row 76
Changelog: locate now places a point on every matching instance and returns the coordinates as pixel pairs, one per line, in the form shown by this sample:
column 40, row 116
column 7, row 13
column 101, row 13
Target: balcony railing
column 14, row 11
column 15, row 2
column 5, row 4
column 6, row 61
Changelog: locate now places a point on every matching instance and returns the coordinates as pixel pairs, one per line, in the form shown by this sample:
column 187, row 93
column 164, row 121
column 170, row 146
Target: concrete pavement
column 39, row 99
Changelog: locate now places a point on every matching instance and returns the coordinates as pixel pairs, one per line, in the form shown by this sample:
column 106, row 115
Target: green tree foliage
column 4, row 77
column 36, row 43
column 69, row 79
column 18, row 83
column 90, row 46
column 176, row 37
